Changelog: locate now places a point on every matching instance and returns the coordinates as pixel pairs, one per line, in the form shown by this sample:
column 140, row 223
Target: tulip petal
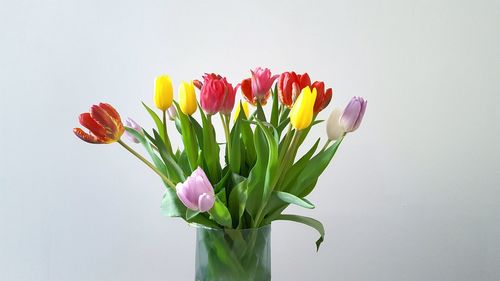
column 86, row 121
column 182, row 192
column 90, row 138
column 104, row 119
column 205, row 202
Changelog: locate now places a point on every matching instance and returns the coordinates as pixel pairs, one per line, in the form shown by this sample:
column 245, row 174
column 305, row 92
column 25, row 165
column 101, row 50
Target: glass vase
column 233, row 254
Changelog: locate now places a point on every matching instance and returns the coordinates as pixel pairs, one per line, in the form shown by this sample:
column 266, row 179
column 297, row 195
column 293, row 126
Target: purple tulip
column 353, row 114
column 132, row 124
column 196, row 192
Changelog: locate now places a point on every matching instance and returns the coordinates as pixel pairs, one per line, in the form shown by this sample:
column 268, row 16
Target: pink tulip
column 262, row 81
column 228, row 104
column 196, row 193
column 353, row 114
column 213, row 92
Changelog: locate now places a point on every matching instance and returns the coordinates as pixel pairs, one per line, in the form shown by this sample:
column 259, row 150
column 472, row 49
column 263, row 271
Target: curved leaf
column 309, row 222
column 292, row 199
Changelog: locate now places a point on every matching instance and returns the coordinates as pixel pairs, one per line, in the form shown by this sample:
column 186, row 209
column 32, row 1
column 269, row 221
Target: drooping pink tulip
column 196, row 193
column 262, row 81
column 132, row 124
column 353, row 114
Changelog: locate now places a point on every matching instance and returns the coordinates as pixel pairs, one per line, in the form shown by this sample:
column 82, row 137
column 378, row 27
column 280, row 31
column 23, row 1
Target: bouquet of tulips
column 260, row 173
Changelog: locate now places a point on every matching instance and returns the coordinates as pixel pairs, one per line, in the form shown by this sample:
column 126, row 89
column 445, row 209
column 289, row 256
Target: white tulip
column 333, row 128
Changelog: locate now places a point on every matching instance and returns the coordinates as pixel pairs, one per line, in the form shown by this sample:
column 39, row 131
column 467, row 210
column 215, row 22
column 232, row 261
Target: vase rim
column 196, row 225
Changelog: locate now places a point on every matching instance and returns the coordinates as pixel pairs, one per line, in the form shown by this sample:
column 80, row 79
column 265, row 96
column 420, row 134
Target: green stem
column 326, row 145
column 136, row 154
column 225, row 124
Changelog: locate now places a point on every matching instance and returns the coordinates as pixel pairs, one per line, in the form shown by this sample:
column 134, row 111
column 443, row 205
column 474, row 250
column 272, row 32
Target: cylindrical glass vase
column 233, row 254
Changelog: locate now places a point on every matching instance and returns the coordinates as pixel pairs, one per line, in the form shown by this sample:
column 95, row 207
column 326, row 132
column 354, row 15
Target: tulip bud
column 196, row 193
column 163, row 92
column 132, row 124
column 301, row 114
column 353, row 114
column 333, row 128
column 172, row 112
column 245, row 110
column 213, row 93
column 187, row 98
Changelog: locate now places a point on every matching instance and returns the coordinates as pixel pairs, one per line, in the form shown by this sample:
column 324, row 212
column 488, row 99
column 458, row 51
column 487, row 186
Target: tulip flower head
column 290, row 85
column 323, row 96
column 243, row 105
column 164, row 92
column 213, row 93
column 353, row 114
column 333, row 128
column 187, row 98
column 257, row 88
column 196, row 193
column 301, row 114
column 172, row 112
column 104, row 125
column 132, row 124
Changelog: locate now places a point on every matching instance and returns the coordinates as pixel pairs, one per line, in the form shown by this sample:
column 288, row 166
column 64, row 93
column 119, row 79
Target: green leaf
column 247, row 135
column 313, row 170
column 309, row 222
column 235, row 161
column 237, row 202
column 188, row 138
column 296, row 169
column 220, row 214
column 174, row 170
column 275, row 108
column 257, row 173
column 157, row 120
column 210, row 148
column 171, row 206
column 292, row 199
column 272, row 163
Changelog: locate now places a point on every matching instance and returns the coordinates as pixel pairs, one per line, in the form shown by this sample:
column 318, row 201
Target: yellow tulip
column 302, row 111
column 244, row 104
column 163, row 92
column 187, row 98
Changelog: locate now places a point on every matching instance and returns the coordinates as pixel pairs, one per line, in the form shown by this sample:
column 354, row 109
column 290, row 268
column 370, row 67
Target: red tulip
column 104, row 125
column 290, row 85
column 323, row 97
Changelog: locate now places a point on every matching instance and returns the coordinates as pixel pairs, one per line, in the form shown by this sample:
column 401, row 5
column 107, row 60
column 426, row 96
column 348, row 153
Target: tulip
column 172, row 113
column 163, row 92
column 245, row 110
column 213, row 92
column 132, row 124
column 290, row 85
column 323, row 97
column 104, row 125
column 228, row 104
column 353, row 114
column 262, row 81
column 196, row 193
column 333, row 128
column 187, row 98
column 301, row 114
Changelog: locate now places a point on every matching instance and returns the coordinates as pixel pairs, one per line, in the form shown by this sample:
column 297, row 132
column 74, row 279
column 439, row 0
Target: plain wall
column 412, row 195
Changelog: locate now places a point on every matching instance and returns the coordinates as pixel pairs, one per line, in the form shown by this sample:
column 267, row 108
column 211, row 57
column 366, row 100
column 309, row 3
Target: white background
column 412, row 195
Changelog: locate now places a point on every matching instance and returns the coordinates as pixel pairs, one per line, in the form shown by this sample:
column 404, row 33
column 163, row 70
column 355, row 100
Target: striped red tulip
column 323, row 97
column 104, row 125
column 290, row 85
